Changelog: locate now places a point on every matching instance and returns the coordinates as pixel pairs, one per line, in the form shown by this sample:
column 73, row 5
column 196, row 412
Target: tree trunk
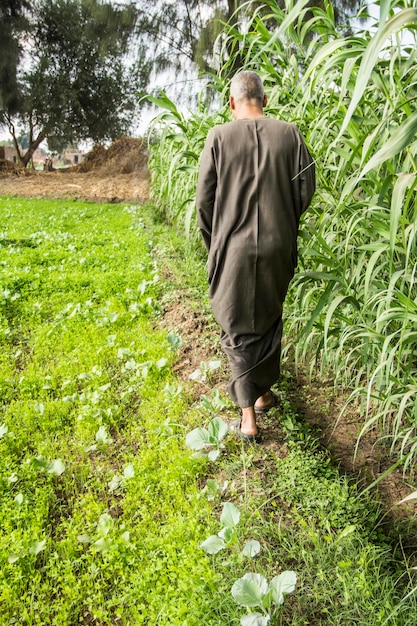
column 26, row 158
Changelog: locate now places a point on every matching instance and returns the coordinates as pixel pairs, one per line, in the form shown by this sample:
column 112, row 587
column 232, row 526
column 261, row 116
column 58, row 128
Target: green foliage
column 100, row 507
column 208, row 442
column 76, row 85
column 228, row 537
column 351, row 309
column 253, row 591
column 12, row 23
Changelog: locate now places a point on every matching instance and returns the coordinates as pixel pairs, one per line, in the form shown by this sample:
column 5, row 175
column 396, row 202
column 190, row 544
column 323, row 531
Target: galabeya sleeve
column 206, row 189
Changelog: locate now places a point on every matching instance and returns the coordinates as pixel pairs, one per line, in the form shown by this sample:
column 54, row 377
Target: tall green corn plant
column 350, row 308
column 367, row 230
column 174, row 154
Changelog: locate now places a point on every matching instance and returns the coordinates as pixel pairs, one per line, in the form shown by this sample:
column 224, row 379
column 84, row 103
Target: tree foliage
column 12, row 24
column 193, row 33
column 74, row 84
column 72, row 69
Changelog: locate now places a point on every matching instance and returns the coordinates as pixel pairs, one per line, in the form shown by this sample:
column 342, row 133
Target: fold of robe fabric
column 255, row 180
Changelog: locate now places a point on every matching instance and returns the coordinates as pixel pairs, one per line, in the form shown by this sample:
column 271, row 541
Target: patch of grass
column 100, row 512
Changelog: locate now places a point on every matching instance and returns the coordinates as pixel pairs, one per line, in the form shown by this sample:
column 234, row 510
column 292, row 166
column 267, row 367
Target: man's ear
column 265, row 101
column 232, row 103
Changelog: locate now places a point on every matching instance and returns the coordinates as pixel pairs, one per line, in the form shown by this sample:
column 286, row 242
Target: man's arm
column 206, row 191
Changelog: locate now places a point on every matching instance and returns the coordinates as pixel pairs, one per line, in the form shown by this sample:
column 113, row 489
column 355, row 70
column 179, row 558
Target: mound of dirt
column 124, row 156
column 7, row 166
column 116, row 174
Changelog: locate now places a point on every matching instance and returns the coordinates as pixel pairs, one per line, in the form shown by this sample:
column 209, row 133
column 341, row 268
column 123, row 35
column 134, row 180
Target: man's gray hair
column 247, row 85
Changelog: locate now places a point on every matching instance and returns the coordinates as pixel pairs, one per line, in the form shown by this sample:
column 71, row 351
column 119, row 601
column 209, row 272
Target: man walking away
column 256, row 178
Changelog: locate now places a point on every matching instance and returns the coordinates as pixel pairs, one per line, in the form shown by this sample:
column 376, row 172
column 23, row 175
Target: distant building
column 8, row 153
column 72, row 156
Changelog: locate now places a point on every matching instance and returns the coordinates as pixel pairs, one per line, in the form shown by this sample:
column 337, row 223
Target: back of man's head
column 246, row 86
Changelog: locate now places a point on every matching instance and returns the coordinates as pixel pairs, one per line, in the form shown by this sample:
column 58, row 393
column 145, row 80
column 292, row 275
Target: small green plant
column 228, row 536
column 174, row 341
column 203, row 373
column 253, row 591
column 208, row 441
column 215, row 403
column 212, row 490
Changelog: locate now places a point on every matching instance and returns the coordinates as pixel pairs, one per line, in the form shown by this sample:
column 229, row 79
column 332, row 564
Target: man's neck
column 246, row 111
column 243, row 110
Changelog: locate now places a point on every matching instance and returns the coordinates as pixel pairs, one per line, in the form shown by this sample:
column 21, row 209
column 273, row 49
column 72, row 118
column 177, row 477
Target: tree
column 76, row 83
column 182, row 34
column 12, row 23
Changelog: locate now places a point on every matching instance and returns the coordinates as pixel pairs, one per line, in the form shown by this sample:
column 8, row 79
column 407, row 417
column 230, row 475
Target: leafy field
column 103, row 507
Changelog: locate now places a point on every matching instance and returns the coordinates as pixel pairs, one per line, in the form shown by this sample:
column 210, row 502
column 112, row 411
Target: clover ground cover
column 99, row 519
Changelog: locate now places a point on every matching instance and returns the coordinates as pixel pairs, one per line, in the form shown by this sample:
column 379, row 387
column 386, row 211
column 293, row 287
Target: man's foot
column 236, row 427
column 246, row 426
column 266, row 402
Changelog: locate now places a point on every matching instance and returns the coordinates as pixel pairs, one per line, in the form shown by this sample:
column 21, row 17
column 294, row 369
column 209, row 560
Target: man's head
column 247, row 95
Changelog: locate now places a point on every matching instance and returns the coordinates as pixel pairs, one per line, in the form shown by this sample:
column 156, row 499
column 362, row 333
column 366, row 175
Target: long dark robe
column 256, row 178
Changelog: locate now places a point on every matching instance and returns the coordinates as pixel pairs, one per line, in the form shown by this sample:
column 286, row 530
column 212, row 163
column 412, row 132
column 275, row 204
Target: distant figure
column 256, row 178
column 47, row 166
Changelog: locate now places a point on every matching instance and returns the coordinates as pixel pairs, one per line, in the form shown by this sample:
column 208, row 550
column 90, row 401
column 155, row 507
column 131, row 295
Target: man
column 256, row 178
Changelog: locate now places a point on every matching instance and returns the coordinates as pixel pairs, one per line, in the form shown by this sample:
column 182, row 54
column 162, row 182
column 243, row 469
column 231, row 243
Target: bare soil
column 120, row 174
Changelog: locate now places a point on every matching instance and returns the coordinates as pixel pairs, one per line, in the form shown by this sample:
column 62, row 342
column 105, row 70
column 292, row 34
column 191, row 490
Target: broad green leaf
column 250, row 590
column 227, row 533
column 103, row 544
column 230, row 515
column 3, row 430
column 174, row 340
column 129, row 471
column 399, row 139
column 13, row 558
column 197, row 439
column 404, row 181
column 164, row 103
column 346, row 532
column 40, row 463
column 105, row 524
column 37, row 547
column 213, row 455
column 56, row 467
column 282, row 584
column 102, row 435
column 252, row 548
column 197, row 375
column 213, row 544
column 218, row 429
